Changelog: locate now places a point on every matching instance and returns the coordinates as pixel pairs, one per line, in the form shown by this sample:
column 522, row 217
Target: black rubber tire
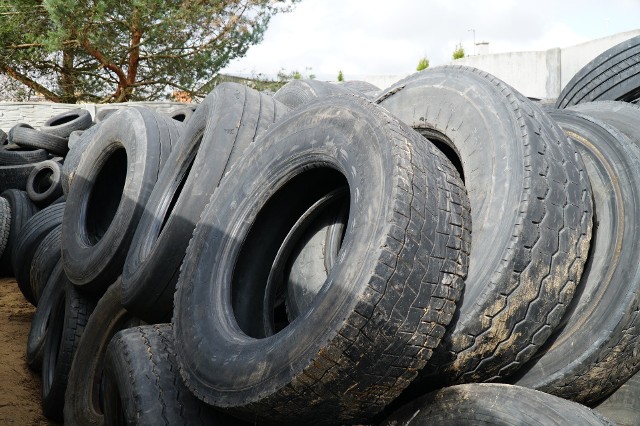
column 45, row 258
column 13, row 155
column 183, row 115
column 29, row 238
column 386, row 301
column 614, row 75
column 623, row 406
column 5, row 223
column 63, row 124
column 114, row 178
column 40, row 322
column 66, row 324
column 143, row 386
column 531, row 211
column 225, row 123
column 44, row 184
column 299, row 92
column 22, row 208
column 83, row 406
column 599, row 334
column 15, row 177
column 28, row 137
column 493, row 404
column 73, row 157
column 623, row 116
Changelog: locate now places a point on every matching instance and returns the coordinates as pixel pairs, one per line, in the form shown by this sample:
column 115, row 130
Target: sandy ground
column 19, row 386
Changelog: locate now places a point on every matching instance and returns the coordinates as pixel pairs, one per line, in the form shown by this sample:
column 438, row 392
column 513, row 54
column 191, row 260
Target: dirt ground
column 19, row 386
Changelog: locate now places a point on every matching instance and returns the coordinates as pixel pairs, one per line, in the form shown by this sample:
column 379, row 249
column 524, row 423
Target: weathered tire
column 15, row 177
column 143, row 386
column 28, row 137
column 13, row 155
column 613, row 75
column 598, row 346
column 493, row 404
column 45, row 258
column 66, row 324
column 225, row 123
column 113, row 180
column 63, row 124
column 27, row 242
column 40, row 322
column 83, row 405
column 531, row 211
column 103, row 113
column 299, row 92
column 386, row 301
column 182, row 114
column 21, row 208
column 44, row 184
column 5, row 224
column 364, row 88
column 72, row 159
column 623, row 116
column 623, row 406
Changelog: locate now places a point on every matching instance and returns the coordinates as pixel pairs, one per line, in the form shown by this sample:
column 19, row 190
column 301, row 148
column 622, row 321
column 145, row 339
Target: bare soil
column 19, row 386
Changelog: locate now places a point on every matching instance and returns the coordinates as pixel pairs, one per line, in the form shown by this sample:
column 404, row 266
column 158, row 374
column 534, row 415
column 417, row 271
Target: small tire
column 62, row 125
column 44, row 184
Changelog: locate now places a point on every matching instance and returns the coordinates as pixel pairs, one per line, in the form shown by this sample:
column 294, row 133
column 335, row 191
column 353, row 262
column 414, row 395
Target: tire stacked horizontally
column 336, row 254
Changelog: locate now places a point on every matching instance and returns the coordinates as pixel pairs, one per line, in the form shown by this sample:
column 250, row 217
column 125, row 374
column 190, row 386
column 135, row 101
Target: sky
column 374, row 37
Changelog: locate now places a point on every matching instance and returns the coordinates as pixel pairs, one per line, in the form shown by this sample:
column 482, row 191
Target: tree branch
column 29, row 83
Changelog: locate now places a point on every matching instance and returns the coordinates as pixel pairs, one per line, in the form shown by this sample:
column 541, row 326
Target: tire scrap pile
column 445, row 251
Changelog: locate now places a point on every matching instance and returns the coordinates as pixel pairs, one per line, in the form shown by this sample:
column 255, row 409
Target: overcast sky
column 373, row 37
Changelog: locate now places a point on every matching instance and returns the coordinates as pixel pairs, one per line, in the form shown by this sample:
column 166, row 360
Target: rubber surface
column 299, row 92
column 22, row 208
column 64, row 124
column 45, row 258
column 44, row 184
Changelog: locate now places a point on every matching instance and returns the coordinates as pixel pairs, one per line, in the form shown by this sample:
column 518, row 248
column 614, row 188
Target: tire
column 40, row 322
column 299, row 92
column 143, row 386
column 22, row 208
column 66, row 324
column 358, row 336
column 72, row 159
column 29, row 238
column 367, row 89
column 614, row 75
column 45, row 258
column 5, row 224
column 13, row 155
column 113, row 180
column 623, row 116
column 15, row 177
column 44, row 184
column 3, row 137
column 599, row 333
column 207, row 151
column 28, row 137
column 623, row 406
column 62, row 125
column 525, row 262
column 83, row 396
column 103, row 113
column 182, row 114
column 493, row 404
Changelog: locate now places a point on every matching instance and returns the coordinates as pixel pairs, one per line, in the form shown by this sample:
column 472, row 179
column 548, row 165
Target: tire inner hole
column 42, row 181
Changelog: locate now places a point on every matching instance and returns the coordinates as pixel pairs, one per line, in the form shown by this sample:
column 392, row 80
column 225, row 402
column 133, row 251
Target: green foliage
column 114, row 51
column 459, row 52
column 423, row 64
column 285, row 76
column 340, row 76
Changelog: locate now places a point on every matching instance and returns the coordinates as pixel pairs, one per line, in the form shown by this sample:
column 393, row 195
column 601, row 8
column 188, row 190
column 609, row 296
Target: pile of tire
column 444, row 251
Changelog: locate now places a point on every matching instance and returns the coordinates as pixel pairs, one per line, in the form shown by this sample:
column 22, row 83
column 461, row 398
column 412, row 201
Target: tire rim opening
column 42, row 181
column 446, row 146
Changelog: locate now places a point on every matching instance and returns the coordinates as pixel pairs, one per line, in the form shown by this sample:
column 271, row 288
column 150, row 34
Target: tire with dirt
column 493, row 404
column 614, row 75
column 67, row 320
column 398, row 274
column 83, row 405
column 599, row 333
column 44, row 184
column 112, row 182
column 531, row 211
column 62, row 125
column 223, row 126
column 21, row 208
column 143, row 385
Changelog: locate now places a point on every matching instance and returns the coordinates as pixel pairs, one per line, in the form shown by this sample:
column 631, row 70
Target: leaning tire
column 112, row 183
column 44, row 184
column 73, row 157
column 493, row 404
column 224, row 124
column 21, row 208
column 63, row 124
column 599, row 335
column 531, row 212
column 614, row 75
column 352, row 348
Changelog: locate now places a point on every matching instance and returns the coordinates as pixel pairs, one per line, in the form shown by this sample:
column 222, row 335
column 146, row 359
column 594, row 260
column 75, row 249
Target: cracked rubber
column 493, row 404
column 143, row 385
column 614, row 75
column 531, row 209
column 598, row 347
column 386, row 301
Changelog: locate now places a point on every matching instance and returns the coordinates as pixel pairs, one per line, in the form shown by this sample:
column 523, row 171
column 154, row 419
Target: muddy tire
column 531, row 212
column 384, row 305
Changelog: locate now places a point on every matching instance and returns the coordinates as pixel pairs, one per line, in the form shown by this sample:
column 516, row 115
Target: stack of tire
column 308, row 257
